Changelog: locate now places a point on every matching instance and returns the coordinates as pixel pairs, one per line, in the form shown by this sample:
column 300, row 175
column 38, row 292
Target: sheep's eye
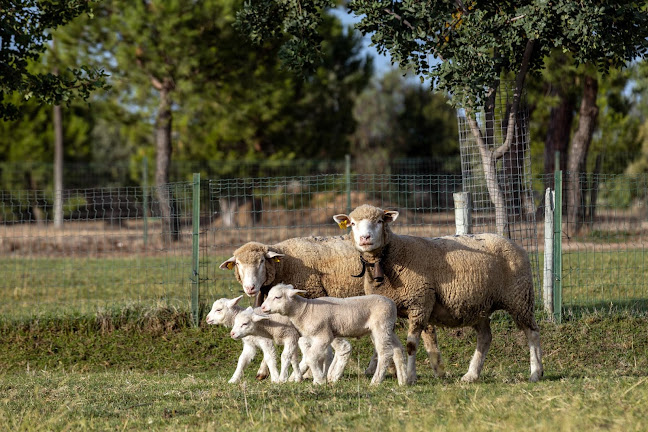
column 218, row 310
column 277, row 297
column 352, row 223
column 243, row 325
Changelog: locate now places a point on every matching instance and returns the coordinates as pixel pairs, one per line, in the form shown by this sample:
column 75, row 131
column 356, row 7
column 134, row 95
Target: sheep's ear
column 256, row 317
column 390, row 216
column 229, row 264
column 294, row 292
column 235, row 301
column 275, row 256
column 342, row 220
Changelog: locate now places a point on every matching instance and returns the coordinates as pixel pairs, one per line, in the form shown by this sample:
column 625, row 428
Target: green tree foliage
column 25, row 32
column 397, row 117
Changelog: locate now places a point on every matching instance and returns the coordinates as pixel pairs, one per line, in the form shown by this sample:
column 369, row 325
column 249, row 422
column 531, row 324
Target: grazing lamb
column 450, row 281
column 322, row 266
column 323, row 319
column 272, row 327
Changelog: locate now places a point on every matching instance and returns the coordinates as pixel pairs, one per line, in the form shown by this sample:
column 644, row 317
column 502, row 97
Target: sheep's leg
column 263, row 371
column 270, row 357
column 484, row 338
column 294, row 361
column 248, row 353
column 315, row 357
column 371, row 367
column 429, row 337
column 416, row 325
column 289, row 357
column 342, row 349
column 399, row 359
column 533, row 337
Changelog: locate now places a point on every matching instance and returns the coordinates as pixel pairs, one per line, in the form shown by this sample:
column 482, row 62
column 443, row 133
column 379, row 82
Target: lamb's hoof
column 470, row 377
column 261, row 377
column 232, row 381
column 439, row 371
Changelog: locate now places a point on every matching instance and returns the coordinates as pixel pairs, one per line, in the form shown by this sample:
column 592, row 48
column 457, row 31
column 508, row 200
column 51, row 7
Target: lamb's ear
column 229, row 264
column 256, row 317
column 294, row 292
column 342, row 220
column 234, row 302
column 275, row 256
column 390, row 216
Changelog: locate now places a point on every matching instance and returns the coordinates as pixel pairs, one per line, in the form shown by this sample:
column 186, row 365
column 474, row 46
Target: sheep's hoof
column 470, row 377
column 261, row 376
column 369, row 372
column 411, row 380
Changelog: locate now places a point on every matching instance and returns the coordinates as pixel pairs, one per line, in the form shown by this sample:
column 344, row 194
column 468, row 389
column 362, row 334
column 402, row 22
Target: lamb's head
column 369, row 227
column 254, row 266
column 279, row 299
column 223, row 311
column 245, row 323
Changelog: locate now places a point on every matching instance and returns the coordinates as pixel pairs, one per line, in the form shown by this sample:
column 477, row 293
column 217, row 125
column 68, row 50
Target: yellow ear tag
column 230, row 265
column 343, row 224
column 277, row 260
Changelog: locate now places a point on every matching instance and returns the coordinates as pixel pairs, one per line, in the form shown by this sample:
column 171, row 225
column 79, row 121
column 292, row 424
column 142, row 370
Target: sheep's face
column 279, row 299
column 369, row 230
column 253, row 265
column 222, row 311
column 245, row 323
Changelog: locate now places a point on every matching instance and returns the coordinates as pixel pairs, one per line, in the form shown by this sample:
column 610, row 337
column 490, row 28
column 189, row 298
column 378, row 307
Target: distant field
column 149, row 370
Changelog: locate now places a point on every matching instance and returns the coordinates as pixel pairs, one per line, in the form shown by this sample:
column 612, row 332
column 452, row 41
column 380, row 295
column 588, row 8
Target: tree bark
column 558, row 133
column 163, row 127
column 58, row 166
column 588, row 114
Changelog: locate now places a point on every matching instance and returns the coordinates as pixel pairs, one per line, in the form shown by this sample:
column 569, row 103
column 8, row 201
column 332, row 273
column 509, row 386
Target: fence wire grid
column 117, row 248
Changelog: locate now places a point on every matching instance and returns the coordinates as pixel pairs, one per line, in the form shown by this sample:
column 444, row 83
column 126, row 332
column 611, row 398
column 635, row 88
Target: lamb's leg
column 382, row 343
column 399, row 359
column 289, row 357
column 315, row 357
column 270, row 357
column 429, row 337
column 484, row 338
column 263, row 371
column 533, row 338
column 371, row 367
column 304, row 345
column 342, row 349
column 248, row 353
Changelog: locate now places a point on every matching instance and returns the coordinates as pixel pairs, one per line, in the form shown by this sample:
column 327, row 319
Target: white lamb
column 323, row 319
column 274, row 327
column 224, row 312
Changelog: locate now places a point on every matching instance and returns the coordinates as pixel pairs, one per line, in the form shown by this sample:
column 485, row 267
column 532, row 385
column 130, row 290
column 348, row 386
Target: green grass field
column 148, row 369
column 42, row 286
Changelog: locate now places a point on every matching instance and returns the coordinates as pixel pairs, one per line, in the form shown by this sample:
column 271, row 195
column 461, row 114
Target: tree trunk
column 163, row 124
column 558, row 133
column 58, row 164
column 588, row 114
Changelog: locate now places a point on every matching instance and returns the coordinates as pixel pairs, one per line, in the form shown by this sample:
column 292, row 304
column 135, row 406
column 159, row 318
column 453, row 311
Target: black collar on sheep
column 378, row 273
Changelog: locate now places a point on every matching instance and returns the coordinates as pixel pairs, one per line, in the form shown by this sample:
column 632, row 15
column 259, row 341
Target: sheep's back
column 320, row 265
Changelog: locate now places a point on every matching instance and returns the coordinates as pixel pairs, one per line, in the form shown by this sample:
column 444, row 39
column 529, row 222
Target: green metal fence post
column 557, row 252
column 145, row 199
column 195, row 276
column 347, row 173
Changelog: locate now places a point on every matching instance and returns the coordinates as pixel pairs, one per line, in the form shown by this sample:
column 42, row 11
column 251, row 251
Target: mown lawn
column 148, row 369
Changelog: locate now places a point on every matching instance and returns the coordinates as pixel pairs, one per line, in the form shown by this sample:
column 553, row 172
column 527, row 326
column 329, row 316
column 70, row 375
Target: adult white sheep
column 322, row 266
column 450, row 281
column 323, row 319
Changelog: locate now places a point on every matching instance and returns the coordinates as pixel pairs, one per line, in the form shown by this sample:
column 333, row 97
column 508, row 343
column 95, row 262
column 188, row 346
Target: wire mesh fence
column 119, row 246
column 604, row 243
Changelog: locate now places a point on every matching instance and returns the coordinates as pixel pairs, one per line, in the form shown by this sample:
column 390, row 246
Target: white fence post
column 548, row 252
column 463, row 213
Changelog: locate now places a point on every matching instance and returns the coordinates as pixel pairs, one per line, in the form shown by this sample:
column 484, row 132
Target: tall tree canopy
column 25, row 31
column 476, row 42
